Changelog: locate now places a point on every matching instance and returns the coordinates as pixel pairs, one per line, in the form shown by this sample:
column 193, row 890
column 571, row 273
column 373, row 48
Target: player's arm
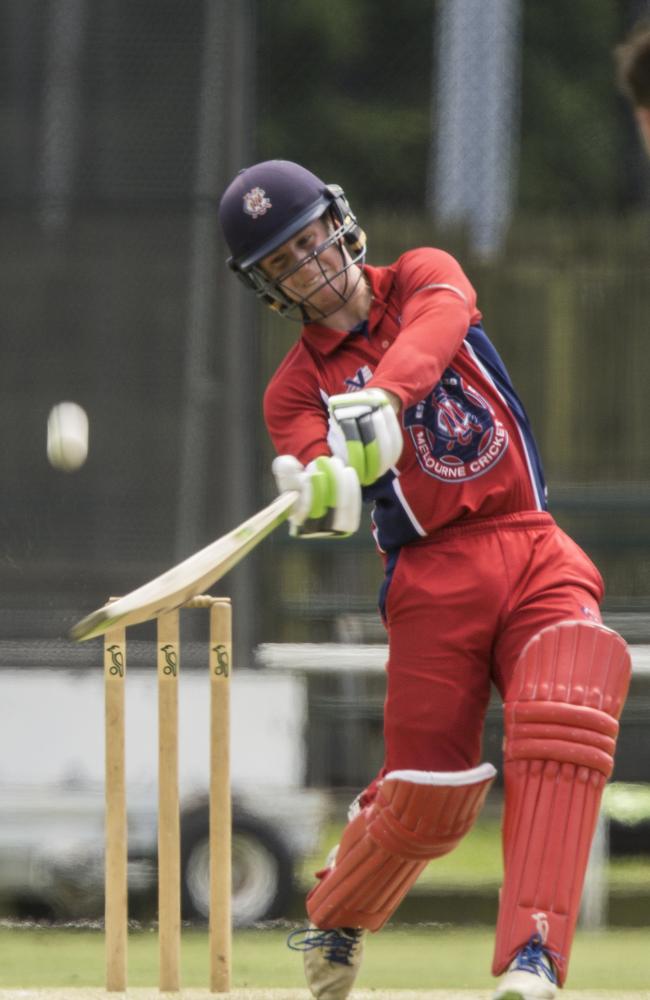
column 295, row 412
column 438, row 305
column 298, row 422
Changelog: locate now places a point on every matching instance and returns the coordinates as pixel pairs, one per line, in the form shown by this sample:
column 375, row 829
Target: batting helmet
column 267, row 204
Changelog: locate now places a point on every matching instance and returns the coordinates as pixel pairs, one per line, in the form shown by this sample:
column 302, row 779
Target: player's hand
column 330, row 496
column 373, row 436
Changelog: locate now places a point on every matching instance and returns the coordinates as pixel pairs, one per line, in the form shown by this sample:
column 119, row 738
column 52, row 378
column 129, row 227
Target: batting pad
column 560, row 735
column 416, row 816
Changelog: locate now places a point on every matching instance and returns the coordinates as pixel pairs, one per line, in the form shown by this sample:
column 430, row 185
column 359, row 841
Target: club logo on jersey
column 358, row 380
column 455, row 431
column 256, row 203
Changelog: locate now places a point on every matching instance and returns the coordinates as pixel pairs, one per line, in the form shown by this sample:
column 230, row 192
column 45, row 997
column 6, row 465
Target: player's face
column 307, row 273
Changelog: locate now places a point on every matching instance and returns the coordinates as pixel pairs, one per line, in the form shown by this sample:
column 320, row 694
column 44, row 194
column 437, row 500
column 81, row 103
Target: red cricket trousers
column 460, row 607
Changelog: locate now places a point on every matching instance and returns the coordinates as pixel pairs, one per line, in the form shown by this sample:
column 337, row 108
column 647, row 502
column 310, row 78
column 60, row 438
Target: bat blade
column 194, row 575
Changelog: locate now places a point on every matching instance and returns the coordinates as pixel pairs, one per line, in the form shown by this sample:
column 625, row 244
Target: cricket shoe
column 531, row 975
column 332, row 959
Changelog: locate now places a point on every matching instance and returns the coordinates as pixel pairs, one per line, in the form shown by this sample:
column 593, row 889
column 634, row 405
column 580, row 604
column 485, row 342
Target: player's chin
column 327, row 295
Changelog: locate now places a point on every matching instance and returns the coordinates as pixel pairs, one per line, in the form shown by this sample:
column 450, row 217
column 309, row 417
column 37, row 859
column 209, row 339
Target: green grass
column 405, row 957
column 627, row 872
column 476, row 862
column 401, row 957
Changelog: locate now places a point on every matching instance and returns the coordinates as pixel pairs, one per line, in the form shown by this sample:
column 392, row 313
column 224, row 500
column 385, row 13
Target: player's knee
column 429, row 743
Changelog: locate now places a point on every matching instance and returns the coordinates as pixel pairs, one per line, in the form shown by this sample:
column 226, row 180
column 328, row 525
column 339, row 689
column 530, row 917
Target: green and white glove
column 329, row 505
column 373, row 436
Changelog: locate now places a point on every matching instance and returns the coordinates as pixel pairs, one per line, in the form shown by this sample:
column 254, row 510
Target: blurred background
column 490, row 128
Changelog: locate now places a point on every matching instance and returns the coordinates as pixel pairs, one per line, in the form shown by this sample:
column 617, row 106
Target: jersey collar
column 326, row 340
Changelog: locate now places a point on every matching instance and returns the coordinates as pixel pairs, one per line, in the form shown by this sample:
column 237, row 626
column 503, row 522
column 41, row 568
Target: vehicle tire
column 262, row 869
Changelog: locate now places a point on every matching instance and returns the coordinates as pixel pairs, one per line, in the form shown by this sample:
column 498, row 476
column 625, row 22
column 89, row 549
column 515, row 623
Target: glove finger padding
column 336, row 499
column 330, row 495
column 389, row 441
column 371, row 429
column 345, row 512
column 290, row 474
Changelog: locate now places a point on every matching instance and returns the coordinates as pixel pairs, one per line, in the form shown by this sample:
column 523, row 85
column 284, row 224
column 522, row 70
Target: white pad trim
column 454, row 778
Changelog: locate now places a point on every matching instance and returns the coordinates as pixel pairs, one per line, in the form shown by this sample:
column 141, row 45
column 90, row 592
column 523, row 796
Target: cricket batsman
column 394, row 395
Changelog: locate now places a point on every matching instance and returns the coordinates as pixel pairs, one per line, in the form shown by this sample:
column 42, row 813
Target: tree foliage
column 346, row 87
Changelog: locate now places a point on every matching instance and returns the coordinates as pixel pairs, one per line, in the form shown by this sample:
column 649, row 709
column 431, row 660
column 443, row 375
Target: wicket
column 169, row 875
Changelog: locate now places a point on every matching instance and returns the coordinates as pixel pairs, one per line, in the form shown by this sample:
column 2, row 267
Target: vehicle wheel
column 262, row 869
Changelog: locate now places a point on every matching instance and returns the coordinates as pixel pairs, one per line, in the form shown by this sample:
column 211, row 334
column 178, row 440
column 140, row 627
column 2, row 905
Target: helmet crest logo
column 256, row 203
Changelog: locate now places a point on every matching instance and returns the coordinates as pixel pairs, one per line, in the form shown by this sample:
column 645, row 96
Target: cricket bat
column 191, row 577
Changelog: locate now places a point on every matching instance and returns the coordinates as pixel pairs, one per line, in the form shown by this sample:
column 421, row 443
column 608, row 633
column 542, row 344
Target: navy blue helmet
column 267, row 204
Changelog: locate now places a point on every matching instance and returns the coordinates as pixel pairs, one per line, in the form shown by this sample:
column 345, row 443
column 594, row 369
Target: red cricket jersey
column 468, row 448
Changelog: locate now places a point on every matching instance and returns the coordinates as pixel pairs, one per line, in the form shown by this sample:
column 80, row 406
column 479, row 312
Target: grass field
column 405, row 957
column 403, row 962
column 477, row 862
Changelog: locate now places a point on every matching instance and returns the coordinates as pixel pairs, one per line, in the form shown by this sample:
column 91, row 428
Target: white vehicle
column 52, row 796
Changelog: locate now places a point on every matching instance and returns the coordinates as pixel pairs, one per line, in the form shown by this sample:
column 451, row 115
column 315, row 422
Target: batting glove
column 373, row 436
column 329, row 504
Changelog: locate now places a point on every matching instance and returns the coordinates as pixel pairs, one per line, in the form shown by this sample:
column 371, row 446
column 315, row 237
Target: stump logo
column 455, row 431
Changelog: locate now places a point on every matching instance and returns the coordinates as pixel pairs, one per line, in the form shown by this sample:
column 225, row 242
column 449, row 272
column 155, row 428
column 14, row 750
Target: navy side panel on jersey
column 391, row 525
column 494, row 367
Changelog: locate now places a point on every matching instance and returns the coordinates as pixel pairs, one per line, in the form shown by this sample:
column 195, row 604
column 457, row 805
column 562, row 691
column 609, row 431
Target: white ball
column 67, row 436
